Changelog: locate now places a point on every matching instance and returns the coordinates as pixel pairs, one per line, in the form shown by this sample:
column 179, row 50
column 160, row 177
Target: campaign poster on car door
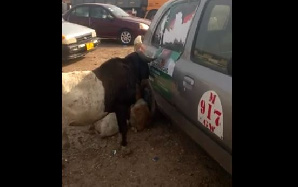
column 172, row 36
column 162, row 69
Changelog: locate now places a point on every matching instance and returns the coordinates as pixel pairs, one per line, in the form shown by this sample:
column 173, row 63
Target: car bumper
column 72, row 51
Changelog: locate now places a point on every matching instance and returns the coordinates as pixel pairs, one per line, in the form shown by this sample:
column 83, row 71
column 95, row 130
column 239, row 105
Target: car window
column 98, row 12
column 117, row 11
column 213, row 41
column 173, row 28
column 218, row 18
column 82, row 11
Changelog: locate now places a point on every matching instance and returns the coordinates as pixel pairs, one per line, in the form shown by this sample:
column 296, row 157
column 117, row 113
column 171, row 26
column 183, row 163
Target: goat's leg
column 122, row 114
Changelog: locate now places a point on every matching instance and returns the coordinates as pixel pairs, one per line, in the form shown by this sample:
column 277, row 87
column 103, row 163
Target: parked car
column 108, row 20
column 191, row 78
column 77, row 40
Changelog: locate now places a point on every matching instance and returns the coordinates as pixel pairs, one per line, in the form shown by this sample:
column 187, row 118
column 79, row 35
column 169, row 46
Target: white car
column 77, row 40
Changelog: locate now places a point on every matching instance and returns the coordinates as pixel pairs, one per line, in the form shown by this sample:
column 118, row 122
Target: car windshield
column 117, row 11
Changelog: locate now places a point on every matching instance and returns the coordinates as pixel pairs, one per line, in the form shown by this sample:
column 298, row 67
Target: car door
column 167, row 44
column 80, row 15
column 203, row 75
column 103, row 22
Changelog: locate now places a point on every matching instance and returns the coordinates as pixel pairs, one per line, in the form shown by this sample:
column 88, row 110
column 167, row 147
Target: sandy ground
column 162, row 155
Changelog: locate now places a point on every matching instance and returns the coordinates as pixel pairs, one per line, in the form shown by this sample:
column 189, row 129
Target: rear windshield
column 117, row 11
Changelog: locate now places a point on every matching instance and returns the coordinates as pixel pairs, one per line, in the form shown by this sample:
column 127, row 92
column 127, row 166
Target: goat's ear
column 144, row 57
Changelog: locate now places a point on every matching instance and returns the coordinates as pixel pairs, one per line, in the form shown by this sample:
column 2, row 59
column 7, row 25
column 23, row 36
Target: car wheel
column 153, row 107
column 150, row 99
column 126, row 37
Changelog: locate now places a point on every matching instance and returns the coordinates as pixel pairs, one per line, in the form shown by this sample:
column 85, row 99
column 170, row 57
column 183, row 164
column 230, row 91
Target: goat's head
column 140, row 63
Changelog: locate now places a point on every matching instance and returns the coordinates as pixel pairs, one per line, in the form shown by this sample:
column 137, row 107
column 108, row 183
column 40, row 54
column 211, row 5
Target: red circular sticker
column 210, row 113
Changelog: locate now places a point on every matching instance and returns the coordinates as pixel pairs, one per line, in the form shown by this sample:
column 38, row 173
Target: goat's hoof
column 125, row 151
column 134, row 129
column 123, row 143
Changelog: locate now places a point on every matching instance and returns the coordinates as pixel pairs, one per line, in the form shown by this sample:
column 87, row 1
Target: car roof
column 101, row 4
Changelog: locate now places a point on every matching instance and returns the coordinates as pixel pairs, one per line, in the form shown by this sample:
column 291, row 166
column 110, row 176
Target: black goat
column 88, row 95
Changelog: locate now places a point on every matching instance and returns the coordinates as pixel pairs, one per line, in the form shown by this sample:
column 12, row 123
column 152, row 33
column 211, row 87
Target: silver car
column 191, row 78
column 77, row 40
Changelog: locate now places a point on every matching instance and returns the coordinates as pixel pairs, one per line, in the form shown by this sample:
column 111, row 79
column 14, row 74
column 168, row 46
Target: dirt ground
column 162, row 155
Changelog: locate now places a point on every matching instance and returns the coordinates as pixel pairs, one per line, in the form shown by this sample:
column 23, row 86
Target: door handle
column 188, row 83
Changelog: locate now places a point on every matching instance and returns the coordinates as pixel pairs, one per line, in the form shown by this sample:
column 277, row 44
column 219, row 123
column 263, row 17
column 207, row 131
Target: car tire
column 153, row 107
column 126, row 38
column 150, row 99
